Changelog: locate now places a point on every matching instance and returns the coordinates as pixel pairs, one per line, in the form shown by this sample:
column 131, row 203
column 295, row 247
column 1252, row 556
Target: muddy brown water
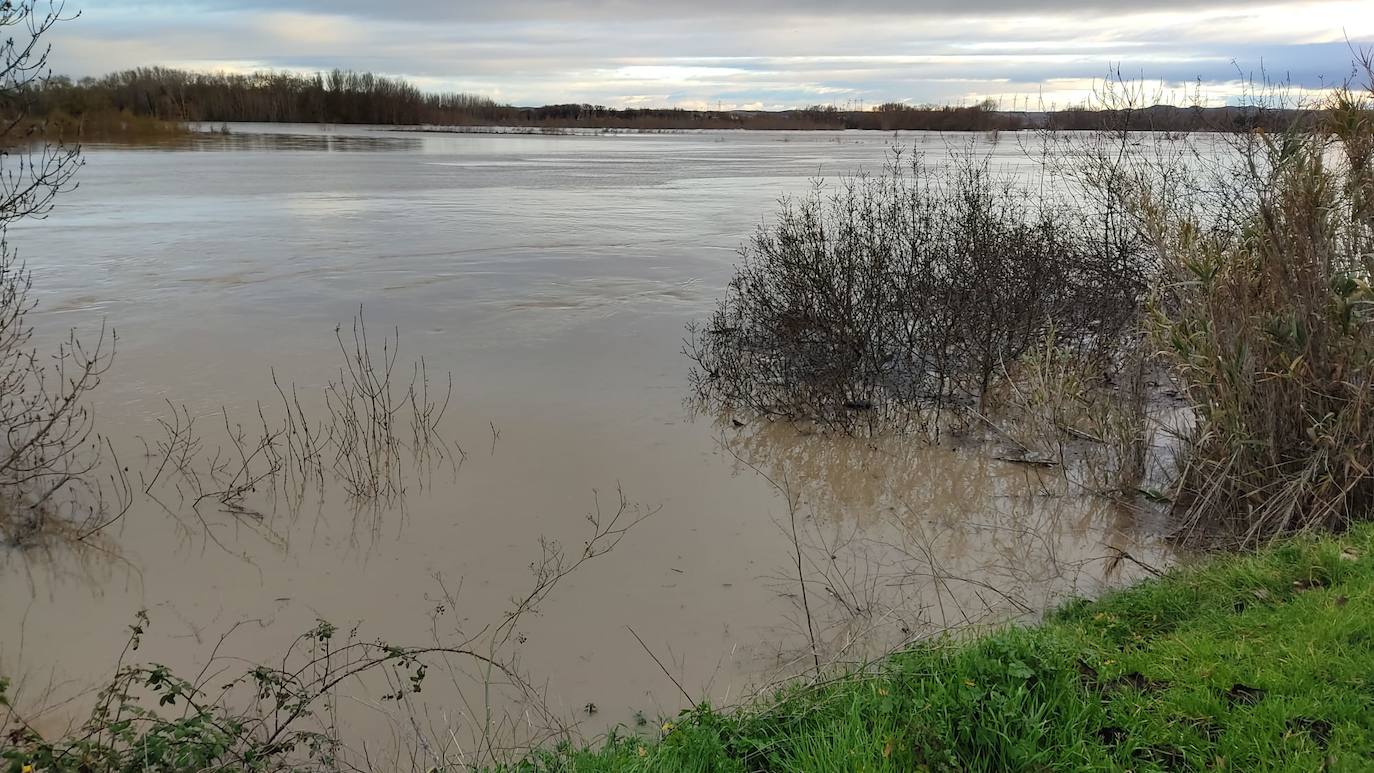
column 553, row 277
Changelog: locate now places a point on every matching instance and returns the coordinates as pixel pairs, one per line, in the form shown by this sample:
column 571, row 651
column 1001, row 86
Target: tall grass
column 1265, row 309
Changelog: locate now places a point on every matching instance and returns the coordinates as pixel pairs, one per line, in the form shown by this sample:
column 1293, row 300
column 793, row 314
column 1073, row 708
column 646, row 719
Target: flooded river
column 553, row 277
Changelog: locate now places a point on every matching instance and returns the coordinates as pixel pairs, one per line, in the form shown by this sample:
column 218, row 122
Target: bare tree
column 49, row 451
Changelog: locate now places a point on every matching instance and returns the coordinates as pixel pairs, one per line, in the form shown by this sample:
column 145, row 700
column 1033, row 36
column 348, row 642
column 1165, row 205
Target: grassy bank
column 1261, row 662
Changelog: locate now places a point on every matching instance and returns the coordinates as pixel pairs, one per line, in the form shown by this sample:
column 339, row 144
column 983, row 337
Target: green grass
column 1262, row 662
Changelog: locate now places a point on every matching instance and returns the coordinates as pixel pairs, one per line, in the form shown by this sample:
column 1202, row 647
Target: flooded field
column 553, row 277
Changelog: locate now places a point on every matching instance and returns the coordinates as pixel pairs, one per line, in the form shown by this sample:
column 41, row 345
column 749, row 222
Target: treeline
column 335, row 97
column 169, row 96
column 987, row 117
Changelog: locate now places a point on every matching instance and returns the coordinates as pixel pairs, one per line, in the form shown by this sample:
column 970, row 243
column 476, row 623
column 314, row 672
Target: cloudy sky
column 740, row 53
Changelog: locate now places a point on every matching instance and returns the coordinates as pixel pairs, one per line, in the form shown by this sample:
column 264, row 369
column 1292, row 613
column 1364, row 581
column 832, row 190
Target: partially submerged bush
column 1267, row 312
column 49, row 451
column 904, row 294
column 913, row 293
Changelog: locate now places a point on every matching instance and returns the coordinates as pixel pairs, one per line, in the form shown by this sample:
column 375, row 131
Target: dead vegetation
column 372, row 432
column 897, row 300
column 1266, row 313
column 52, row 480
column 58, row 476
column 1222, row 282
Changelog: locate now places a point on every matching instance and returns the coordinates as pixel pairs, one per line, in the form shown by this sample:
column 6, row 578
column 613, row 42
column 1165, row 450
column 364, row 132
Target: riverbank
column 94, row 126
column 1259, row 662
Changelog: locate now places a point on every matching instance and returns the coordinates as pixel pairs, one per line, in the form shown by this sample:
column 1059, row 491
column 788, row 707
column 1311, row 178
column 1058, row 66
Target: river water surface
column 553, row 276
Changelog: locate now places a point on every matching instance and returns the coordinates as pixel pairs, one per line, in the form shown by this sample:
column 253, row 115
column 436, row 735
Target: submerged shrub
column 1269, row 322
column 904, row 294
column 50, row 455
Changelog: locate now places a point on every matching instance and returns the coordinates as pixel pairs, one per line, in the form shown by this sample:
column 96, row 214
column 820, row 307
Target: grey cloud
column 600, row 55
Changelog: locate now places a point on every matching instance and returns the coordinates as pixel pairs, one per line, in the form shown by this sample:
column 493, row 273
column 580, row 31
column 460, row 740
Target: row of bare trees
column 335, row 97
